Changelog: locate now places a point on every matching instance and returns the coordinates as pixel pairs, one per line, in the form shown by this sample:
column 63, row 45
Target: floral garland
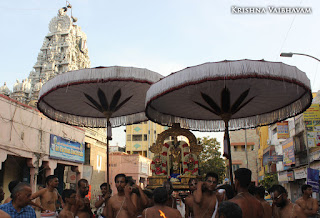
column 159, row 170
column 191, row 158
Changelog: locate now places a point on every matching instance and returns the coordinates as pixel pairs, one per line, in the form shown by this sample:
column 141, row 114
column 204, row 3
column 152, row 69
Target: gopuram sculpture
column 63, row 49
column 176, row 153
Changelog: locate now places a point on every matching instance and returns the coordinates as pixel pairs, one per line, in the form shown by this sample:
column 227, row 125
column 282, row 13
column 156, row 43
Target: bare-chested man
column 160, row 197
column 189, row 199
column 259, row 193
column 49, row 195
column 172, row 201
column 124, row 203
column 308, row 204
column 206, row 202
column 250, row 206
column 82, row 207
column 69, row 199
column 284, row 207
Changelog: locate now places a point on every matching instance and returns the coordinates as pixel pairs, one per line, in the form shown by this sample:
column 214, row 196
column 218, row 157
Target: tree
column 210, row 159
column 269, row 180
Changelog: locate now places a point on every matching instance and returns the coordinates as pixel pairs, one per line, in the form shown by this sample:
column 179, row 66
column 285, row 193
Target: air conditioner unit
column 269, row 142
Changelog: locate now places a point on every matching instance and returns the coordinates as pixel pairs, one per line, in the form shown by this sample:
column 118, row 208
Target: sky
column 164, row 36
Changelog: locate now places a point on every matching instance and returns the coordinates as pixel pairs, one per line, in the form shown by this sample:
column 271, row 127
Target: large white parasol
column 229, row 95
column 98, row 97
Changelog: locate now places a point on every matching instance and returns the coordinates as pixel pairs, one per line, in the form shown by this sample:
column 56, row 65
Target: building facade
column 139, row 137
column 33, row 147
column 134, row 165
column 238, row 152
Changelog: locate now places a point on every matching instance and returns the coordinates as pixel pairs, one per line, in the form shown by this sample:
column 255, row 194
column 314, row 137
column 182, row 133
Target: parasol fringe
column 228, row 71
column 234, row 124
column 100, row 75
column 91, row 121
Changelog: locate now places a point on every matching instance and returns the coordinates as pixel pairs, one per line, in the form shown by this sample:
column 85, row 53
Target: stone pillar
column 33, row 179
column 34, row 163
column 50, row 166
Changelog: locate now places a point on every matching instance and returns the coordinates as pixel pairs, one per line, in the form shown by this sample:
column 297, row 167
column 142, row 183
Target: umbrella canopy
column 229, row 95
column 98, row 97
column 246, row 93
column 89, row 97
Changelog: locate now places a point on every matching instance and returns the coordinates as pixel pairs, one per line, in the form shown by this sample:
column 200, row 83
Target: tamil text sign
column 312, row 123
column 288, row 153
column 283, row 130
column 275, row 158
column 61, row 148
column 300, row 173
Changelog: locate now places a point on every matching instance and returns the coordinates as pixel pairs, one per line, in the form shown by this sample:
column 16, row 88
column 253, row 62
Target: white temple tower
column 64, row 49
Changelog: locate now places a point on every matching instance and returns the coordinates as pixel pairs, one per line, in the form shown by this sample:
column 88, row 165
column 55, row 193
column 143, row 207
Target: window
column 137, row 137
column 145, row 137
column 129, row 137
column 235, row 148
column 252, row 147
column 243, row 147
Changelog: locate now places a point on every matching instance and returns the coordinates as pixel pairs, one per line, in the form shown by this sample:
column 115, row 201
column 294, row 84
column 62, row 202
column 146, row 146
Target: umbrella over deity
column 98, row 97
column 229, row 95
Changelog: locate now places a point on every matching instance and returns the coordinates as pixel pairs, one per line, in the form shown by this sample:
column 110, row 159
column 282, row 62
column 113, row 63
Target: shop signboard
column 288, row 153
column 275, row 158
column 282, row 176
column 265, row 158
column 290, row 176
column 300, row 173
column 311, row 119
column 313, row 179
column 283, row 130
column 64, row 149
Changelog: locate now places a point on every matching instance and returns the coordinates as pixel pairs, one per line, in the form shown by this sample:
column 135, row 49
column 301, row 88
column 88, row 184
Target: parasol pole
column 109, row 137
column 227, row 140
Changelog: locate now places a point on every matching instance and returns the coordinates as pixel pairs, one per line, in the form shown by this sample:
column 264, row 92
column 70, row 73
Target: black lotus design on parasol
column 103, row 105
column 225, row 111
column 251, row 92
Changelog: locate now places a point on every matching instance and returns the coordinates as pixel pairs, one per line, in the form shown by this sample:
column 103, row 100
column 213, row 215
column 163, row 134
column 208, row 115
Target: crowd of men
column 205, row 199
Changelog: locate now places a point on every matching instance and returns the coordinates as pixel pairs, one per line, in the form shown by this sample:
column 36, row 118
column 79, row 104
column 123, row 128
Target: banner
column 290, row 176
column 311, row 119
column 275, row 158
column 288, row 153
column 313, row 179
column 300, row 173
column 282, row 176
column 283, row 130
column 64, row 149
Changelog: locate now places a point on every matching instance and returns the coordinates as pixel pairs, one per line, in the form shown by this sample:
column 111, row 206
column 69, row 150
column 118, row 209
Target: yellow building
column 263, row 145
column 139, row 137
